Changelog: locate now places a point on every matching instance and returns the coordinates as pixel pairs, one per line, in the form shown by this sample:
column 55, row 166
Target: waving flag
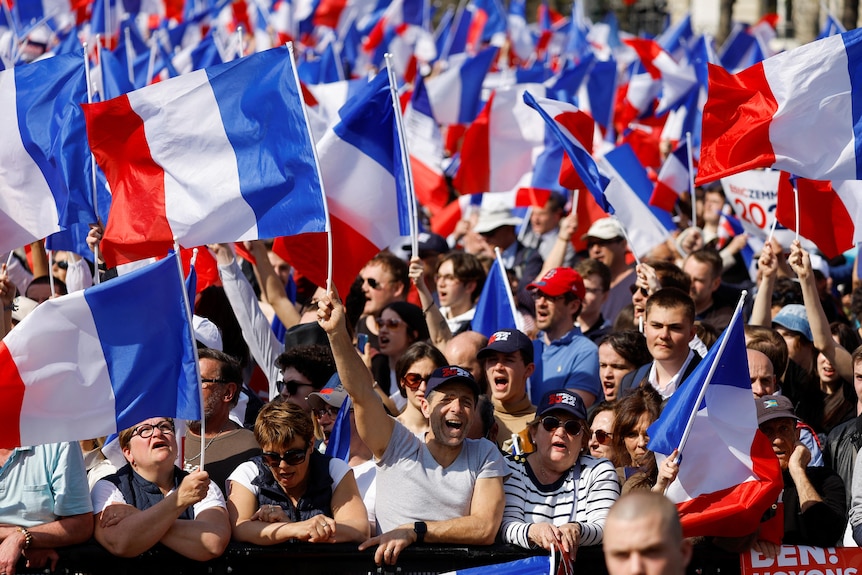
column 43, row 149
column 454, row 95
column 768, row 115
column 673, row 179
column 217, row 155
column 494, row 307
column 425, row 144
column 728, row 474
column 100, row 360
column 676, row 81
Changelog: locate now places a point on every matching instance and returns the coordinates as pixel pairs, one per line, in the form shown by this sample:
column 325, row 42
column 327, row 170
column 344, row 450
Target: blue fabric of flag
column 144, row 333
column 115, row 78
column 601, row 87
column 472, row 75
column 732, row 370
column 206, row 53
column 265, row 124
column 632, row 172
column 568, row 82
column 537, row 565
column 493, row 311
column 339, row 440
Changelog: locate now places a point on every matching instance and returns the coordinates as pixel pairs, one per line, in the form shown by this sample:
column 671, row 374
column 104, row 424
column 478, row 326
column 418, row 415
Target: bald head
column 643, row 535
column 463, row 349
column 760, row 369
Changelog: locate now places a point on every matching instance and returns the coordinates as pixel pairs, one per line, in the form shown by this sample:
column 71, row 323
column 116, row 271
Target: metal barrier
column 314, row 559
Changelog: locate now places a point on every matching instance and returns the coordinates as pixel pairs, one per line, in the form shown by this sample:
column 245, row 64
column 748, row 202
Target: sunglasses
column 291, row 386
column 328, row 410
column 591, row 243
column 539, row 294
column 412, row 381
column 373, row 283
column 602, row 436
column 391, row 323
column 291, row 457
column 207, row 383
column 572, row 427
column 633, row 288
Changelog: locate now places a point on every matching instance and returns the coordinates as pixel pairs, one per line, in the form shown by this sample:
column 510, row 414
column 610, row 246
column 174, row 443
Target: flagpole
column 796, row 209
column 130, row 61
column 239, row 38
column 191, row 327
column 93, row 181
column 509, row 296
column 327, row 225
column 405, row 160
column 691, row 193
column 456, row 23
column 736, row 314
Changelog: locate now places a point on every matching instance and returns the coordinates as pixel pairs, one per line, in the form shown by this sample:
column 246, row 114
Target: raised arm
column 272, row 288
column 761, row 312
column 374, row 425
column 438, row 327
column 839, row 357
column 557, row 255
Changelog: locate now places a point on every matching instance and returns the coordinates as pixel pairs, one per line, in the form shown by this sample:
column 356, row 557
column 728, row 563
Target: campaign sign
column 804, row 560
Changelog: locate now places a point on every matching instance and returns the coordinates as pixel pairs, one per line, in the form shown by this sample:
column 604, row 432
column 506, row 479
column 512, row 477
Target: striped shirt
column 528, row 501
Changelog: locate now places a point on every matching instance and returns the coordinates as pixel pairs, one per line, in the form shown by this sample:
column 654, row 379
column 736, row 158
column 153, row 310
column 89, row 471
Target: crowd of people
column 536, row 437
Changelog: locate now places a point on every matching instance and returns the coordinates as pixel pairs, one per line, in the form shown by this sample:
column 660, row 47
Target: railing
column 313, row 559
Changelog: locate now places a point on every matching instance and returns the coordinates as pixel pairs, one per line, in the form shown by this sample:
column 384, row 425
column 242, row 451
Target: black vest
column 317, row 498
column 143, row 494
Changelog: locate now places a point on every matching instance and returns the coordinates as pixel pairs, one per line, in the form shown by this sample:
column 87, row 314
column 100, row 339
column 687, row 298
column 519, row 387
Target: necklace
column 187, row 462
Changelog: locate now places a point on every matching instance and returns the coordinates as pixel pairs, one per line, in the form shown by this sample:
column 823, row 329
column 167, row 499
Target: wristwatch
column 420, row 528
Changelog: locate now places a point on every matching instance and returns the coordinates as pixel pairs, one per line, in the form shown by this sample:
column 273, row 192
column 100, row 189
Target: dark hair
column 589, row 266
column 485, row 408
column 416, row 352
column 412, row 315
column 785, row 292
column 706, row 332
column 770, row 343
column 627, row 411
column 672, row 298
column 710, row 257
column 313, row 361
column 556, row 202
column 59, row 285
column 629, row 344
column 397, row 268
column 669, row 275
column 229, row 369
column 599, row 408
column 848, row 337
column 280, row 421
column 467, row 268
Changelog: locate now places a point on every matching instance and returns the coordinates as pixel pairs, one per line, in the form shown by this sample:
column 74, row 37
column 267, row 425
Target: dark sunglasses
column 328, row 410
column 602, row 436
column 291, row 386
column 413, row 380
column 633, row 288
column 373, row 283
column 572, row 427
column 208, row 382
column 538, row 294
column 291, row 457
column 391, row 323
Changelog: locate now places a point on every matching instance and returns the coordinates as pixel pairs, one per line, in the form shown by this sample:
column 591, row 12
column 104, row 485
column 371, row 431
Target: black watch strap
column 421, row 528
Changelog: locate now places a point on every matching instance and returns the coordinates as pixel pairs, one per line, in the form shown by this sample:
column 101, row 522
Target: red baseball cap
column 560, row 281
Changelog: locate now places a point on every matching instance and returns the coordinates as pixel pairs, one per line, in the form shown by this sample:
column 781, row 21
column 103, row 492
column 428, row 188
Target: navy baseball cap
column 451, row 374
column 508, row 341
column 562, row 400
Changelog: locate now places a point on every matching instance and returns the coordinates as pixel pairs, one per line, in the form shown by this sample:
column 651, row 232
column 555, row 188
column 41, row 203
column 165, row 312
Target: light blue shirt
column 571, row 362
column 38, row 484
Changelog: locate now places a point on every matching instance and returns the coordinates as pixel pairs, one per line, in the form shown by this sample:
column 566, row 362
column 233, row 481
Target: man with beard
column 443, row 488
column 568, row 359
column 226, row 444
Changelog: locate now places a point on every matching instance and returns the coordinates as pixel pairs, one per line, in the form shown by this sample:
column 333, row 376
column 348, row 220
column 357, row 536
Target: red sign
column 803, row 560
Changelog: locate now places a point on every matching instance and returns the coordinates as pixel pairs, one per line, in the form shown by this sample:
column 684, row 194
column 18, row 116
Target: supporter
column 96, row 463
column 384, row 281
column 464, row 508
column 568, row 359
column 400, row 325
column 460, row 278
column 557, row 494
column 304, row 369
column 669, row 327
column 620, row 353
column 44, row 504
column 840, row 402
column 431, row 247
column 633, row 414
column 643, row 535
column 508, row 361
column 597, row 285
column 704, row 268
column 40, row 288
column 324, row 405
column 484, row 425
column 496, row 225
column 763, row 378
column 606, row 243
column 814, row 497
column 845, row 440
column 601, row 427
column 292, row 491
column 770, row 343
column 226, row 444
column 652, row 277
column 463, row 350
column 413, row 370
column 545, row 228
column 150, row 500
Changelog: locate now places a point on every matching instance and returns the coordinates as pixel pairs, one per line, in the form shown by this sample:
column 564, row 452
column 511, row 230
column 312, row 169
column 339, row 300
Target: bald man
column 643, row 536
column 462, row 350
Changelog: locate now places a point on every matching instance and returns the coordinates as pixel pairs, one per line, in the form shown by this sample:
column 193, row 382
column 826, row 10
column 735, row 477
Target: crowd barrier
column 311, row 559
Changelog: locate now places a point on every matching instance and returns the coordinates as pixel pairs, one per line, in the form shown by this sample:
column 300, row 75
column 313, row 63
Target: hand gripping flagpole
column 327, row 226
column 195, row 347
column 736, row 317
column 405, row 159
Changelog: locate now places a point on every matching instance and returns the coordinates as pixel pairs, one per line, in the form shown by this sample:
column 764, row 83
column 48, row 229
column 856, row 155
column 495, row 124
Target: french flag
column 455, row 94
column 494, row 309
column 100, row 360
column 362, row 149
column 425, row 143
column 728, row 475
column 217, row 155
column 768, row 114
column 728, row 228
column 43, row 149
column 673, row 179
column 676, row 81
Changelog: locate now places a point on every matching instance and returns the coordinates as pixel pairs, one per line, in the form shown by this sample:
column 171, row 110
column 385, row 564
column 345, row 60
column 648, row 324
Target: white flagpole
column 405, row 159
column 327, row 225
column 96, row 278
column 518, row 322
column 130, row 60
column 191, row 327
column 691, row 179
column 239, row 39
column 736, row 315
column 796, row 208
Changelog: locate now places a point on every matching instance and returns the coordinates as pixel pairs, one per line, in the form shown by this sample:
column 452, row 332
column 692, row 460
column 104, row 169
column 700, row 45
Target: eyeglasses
column 328, row 410
column 373, row 283
column 538, row 294
column 146, row 430
column 446, row 278
column 391, row 323
column 602, row 436
column 291, row 386
column 591, row 243
column 412, row 381
column 291, row 457
column 207, row 383
column 572, row 427
column 633, row 288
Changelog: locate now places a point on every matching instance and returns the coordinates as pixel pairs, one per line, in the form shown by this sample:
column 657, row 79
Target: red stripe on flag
column 431, row 189
column 444, row 221
column 474, row 175
column 138, row 227
column 736, row 120
column 12, row 391
column 818, row 204
column 664, row 197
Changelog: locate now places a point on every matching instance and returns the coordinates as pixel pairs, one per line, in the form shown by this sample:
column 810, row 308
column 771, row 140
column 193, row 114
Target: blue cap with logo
column 562, row 400
column 508, row 341
column 451, row 374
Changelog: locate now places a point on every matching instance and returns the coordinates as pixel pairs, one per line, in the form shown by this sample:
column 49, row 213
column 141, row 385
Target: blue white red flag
column 100, row 360
column 217, row 155
column 728, row 475
column 455, row 94
column 768, row 114
column 728, row 228
column 43, row 149
column 674, row 179
column 494, row 308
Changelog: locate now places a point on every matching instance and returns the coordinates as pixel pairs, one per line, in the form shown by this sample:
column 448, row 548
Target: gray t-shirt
column 417, row 488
